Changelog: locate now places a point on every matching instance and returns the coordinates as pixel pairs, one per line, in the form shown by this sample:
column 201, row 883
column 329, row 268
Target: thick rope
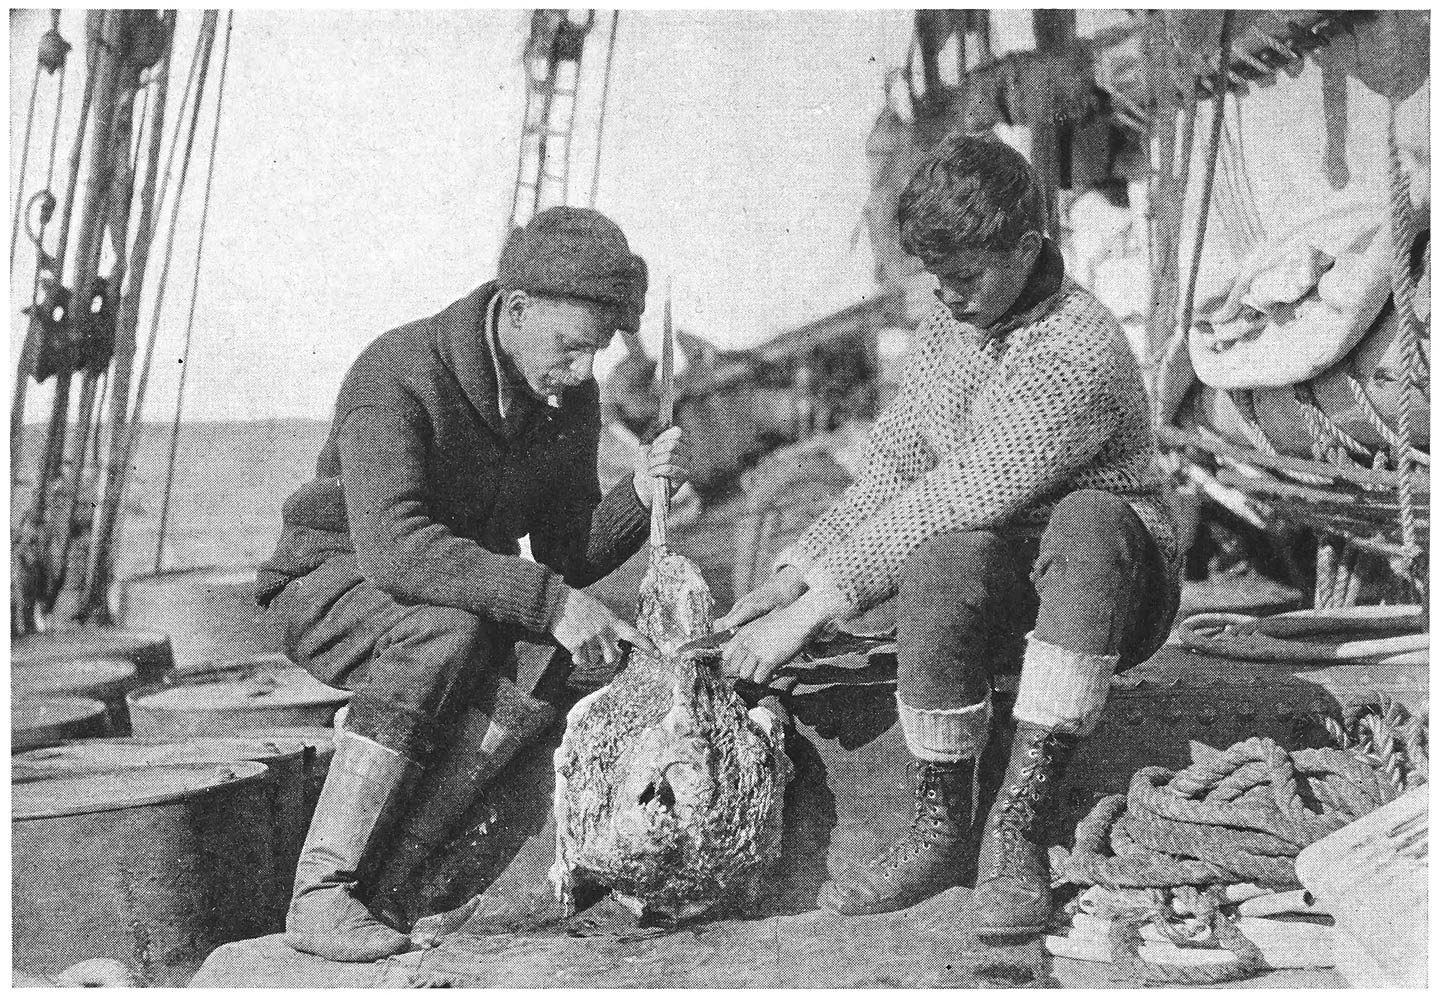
column 1402, row 285
column 1244, row 402
column 1330, row 440
column 1377, row 421
column 194, row 294
column 1243, row 814
column 1241, row 637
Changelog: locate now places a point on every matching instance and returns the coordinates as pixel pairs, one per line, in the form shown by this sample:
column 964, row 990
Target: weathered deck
column 849, row 788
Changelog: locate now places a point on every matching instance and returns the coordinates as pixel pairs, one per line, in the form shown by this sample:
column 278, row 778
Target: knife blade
column 711, row 641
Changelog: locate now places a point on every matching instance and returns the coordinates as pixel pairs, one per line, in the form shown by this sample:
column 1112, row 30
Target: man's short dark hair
column 970, row 193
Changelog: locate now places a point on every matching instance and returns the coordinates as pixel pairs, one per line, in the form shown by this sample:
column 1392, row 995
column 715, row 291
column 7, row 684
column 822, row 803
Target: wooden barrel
column 36, row 721
column 148, row 650
column 209, row 612
column 261, row 693
column 154, row 867
column 105, row 679
column 298, row 761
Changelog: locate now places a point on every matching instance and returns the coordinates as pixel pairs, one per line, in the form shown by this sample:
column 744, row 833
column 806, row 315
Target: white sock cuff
column 1061, row 689
column 945, row 735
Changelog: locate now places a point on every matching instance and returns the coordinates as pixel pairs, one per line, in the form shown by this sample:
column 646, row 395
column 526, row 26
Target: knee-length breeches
column 1094, row 583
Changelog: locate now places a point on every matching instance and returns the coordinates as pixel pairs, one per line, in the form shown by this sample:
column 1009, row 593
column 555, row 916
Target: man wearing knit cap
column 398, row 573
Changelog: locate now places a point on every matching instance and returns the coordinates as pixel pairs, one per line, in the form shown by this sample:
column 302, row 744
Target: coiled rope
column 1240, row 815
column 1273, row 638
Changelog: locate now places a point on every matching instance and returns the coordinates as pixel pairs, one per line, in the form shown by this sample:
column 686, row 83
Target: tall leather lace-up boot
column 1012, row 888
column 928, row 857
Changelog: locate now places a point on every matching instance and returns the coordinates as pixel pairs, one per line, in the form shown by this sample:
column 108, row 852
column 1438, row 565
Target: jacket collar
column 465, row 347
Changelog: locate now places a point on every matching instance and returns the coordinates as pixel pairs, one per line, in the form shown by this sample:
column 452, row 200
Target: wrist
column 557, row 599
column 823, row 599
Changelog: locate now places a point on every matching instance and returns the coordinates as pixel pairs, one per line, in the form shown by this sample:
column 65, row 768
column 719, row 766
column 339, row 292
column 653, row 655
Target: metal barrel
column 148, row 650
column 151, row 866
column 298, row 761
column 105, row 679
column 257, row 693
column 209, row 612
column 39, row 720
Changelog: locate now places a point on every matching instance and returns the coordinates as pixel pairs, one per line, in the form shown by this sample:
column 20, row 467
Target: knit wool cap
column 576, row 252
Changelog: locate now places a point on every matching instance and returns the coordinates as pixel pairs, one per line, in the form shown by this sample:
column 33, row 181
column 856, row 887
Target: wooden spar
column 107, row 207
column 660, row 503
column 94, row 603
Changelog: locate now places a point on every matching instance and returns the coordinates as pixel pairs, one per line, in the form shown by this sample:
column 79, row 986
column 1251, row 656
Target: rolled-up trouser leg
column 1103, row 586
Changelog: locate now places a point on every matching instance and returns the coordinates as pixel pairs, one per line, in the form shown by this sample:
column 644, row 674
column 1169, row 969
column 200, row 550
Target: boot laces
column 924, row 827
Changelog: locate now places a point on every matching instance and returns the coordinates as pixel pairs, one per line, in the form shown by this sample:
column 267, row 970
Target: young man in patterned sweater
column 1011, row 499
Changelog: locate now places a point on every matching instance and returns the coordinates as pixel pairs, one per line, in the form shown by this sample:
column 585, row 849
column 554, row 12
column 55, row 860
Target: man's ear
column 516, row 301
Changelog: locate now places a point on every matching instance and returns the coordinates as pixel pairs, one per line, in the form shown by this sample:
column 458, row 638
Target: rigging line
column 24, row 164
column 199, row 67
column 1207, row 183
column 49, row 179
column 604, row 103
column 194, row 294
column 92, row 55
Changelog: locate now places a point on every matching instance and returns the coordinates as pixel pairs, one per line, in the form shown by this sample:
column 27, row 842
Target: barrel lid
column 36, row 712
column 114, row 753
column 89, row 674
column 320, row 738
column 96, row 793
column 139, row 645
column 271, row 688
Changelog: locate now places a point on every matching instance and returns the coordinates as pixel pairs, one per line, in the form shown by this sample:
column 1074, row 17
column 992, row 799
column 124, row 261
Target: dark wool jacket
column 429, row 488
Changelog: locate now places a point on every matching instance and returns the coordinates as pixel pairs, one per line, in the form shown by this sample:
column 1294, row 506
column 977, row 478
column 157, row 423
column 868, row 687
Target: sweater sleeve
column 881, row 478
column 579, row 534
column 1046, row 420
column 411, row 556
column 893, row 457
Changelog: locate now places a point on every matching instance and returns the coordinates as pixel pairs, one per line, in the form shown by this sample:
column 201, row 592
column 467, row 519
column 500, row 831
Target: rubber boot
column 1012, row 888
column 926, row 859
column 489, row 734
column 365, row 787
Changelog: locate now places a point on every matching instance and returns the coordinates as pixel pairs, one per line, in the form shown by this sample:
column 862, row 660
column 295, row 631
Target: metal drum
column 153, row 867
column 149, row 651
column 293, row 759
column 105, row 679
column 260, row 693
column 209, row 612
column 320, row 740
column 36, row 721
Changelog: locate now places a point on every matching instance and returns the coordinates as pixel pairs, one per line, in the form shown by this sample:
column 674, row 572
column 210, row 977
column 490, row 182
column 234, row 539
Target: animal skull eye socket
column 660, row 791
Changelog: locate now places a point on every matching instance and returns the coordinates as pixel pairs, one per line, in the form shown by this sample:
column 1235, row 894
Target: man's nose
column 949, row 298
column 583, row 368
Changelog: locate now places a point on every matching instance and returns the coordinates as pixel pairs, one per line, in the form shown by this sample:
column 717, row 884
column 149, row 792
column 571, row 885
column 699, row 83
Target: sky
column 366, row 160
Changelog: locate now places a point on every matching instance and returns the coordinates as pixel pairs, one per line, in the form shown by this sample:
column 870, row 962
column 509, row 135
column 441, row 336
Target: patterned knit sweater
column 989, row 430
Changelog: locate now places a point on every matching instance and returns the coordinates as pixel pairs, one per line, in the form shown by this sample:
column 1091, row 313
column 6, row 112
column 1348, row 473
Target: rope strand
column 194, row 294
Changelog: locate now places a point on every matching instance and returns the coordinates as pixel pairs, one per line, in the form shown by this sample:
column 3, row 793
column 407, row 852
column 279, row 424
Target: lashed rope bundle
column 1240, row 815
